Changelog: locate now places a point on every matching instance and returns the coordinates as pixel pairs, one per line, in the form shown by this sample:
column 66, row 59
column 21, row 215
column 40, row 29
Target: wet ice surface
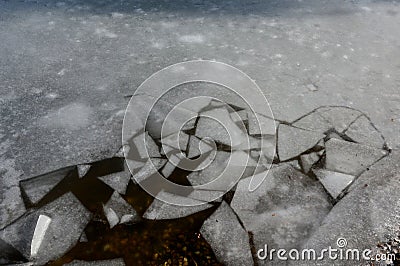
column 284, row 210
column 69, row 218
column 68, row 65
column 90, row 55
column 227, row 237
column 292, row 204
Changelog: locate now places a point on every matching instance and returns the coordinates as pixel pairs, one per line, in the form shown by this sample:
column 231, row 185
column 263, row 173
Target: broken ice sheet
column 133, row 123
column 34, row 189
column 160, row 210
column 366, row 215
column 151, row 167
column 11, row 203
column 326, row 118
column 314, row 122
column 156, row 120
column 178, row 141
column 294, row 141
column 266, row 143
column 229, row 241
column 292, row 205
column 333, row 182
column 168, row 169
column 199, row 146
column 117, row 210
column 350, row 158
column 117, row 181
column 146, row 147
column 218, row 125
column 308, row 160
column 68, row 220
column 239, row 116
column 225, row 170
column 362, row 131
column 261, row 125
column 339, row 117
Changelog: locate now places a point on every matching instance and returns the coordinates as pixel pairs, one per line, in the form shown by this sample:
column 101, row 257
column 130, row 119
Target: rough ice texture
column 178, row 141
column 293, row 141
column 151, row 167
column 326, row 118
column 333, row 182
column 160, row 210
column 261, row 125
column 11, row 203
column 350, row 158
column 362, row 131
column 339, row 117
column 313, row 121
column 146, row 146
column 37, row 187
column 117, row 181
column 69, row 218
column 365, row 216
column 229, row 241
column 198, row 146
column 206, row 195
column 156, row 122
column 218, row 125
column 284, row 210
column 224, row 171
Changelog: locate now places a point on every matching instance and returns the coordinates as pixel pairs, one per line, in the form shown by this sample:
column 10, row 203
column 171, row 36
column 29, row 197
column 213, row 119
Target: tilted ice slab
column 68, row 218
column 228, row 239
column 34, row 189
column 284, row 210
column 367, row 215
column 218, row 125
column 294, row 141
column 117, row 210
column 350, row 158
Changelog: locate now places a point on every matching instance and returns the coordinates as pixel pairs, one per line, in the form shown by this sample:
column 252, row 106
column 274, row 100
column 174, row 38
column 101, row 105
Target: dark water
column 149, row 242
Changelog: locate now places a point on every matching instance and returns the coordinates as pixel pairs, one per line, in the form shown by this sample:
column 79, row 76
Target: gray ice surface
column 369, row 214
column 160, row 210
column 284, row 211
column 228, row 239
column 68, row 220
